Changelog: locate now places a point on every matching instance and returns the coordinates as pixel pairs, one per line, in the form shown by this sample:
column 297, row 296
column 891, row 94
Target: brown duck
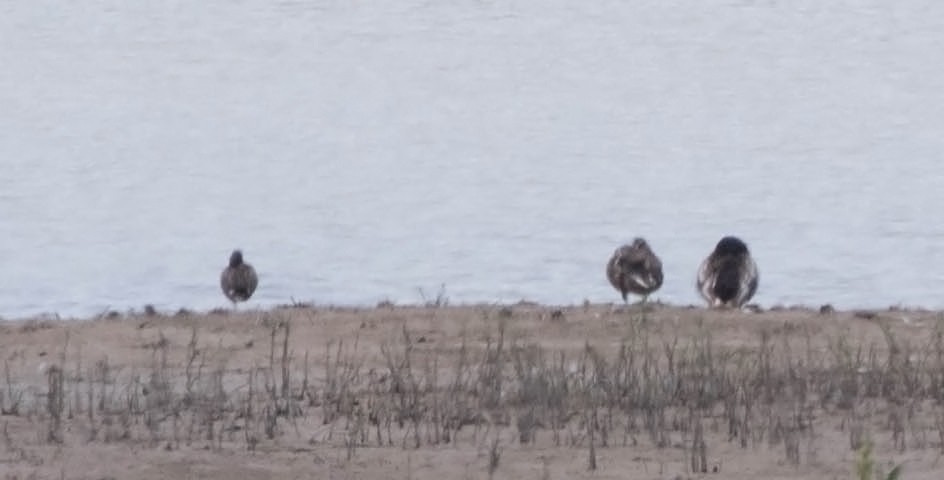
column 239, row 279
column 635, row 268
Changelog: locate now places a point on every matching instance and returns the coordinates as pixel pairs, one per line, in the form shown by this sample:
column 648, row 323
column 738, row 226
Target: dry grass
column 521, row 391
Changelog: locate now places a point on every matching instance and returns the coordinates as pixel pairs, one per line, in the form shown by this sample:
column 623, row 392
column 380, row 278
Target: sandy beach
column 485, row 391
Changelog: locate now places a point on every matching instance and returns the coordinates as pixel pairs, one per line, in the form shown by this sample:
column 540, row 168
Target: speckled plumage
column 635, row 268
column 239, row 279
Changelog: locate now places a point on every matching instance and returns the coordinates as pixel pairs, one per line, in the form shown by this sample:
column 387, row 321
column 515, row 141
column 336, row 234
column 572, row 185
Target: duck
column 239, row 279
column 728, row 277
column 635, row 268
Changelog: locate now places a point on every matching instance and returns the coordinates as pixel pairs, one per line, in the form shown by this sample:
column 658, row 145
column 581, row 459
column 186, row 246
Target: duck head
column 639, row 243
column 731, row 246
column 236, row 259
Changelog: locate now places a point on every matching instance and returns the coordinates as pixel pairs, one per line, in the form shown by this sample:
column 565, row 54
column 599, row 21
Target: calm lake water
column 361, row 151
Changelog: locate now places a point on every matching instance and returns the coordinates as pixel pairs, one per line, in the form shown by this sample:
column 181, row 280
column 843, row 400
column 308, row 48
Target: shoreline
column 148, row 310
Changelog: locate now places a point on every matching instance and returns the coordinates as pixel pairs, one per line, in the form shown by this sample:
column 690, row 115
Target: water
column 358, row 152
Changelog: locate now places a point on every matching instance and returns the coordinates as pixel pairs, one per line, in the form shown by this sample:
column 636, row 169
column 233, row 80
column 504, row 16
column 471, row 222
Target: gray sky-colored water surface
column 362, row 151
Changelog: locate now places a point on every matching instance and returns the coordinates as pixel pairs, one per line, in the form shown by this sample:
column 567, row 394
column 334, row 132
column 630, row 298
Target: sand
column 148, row 421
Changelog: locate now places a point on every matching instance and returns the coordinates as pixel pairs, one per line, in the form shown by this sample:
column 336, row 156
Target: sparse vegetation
column 866, row 469
column 495, row 386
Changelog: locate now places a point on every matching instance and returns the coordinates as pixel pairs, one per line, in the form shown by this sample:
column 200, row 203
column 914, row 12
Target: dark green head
column 731, row 246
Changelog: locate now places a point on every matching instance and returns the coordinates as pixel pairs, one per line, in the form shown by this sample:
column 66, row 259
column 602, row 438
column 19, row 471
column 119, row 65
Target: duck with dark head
column 635, row 268
column 728, row 276
column 239, row 279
